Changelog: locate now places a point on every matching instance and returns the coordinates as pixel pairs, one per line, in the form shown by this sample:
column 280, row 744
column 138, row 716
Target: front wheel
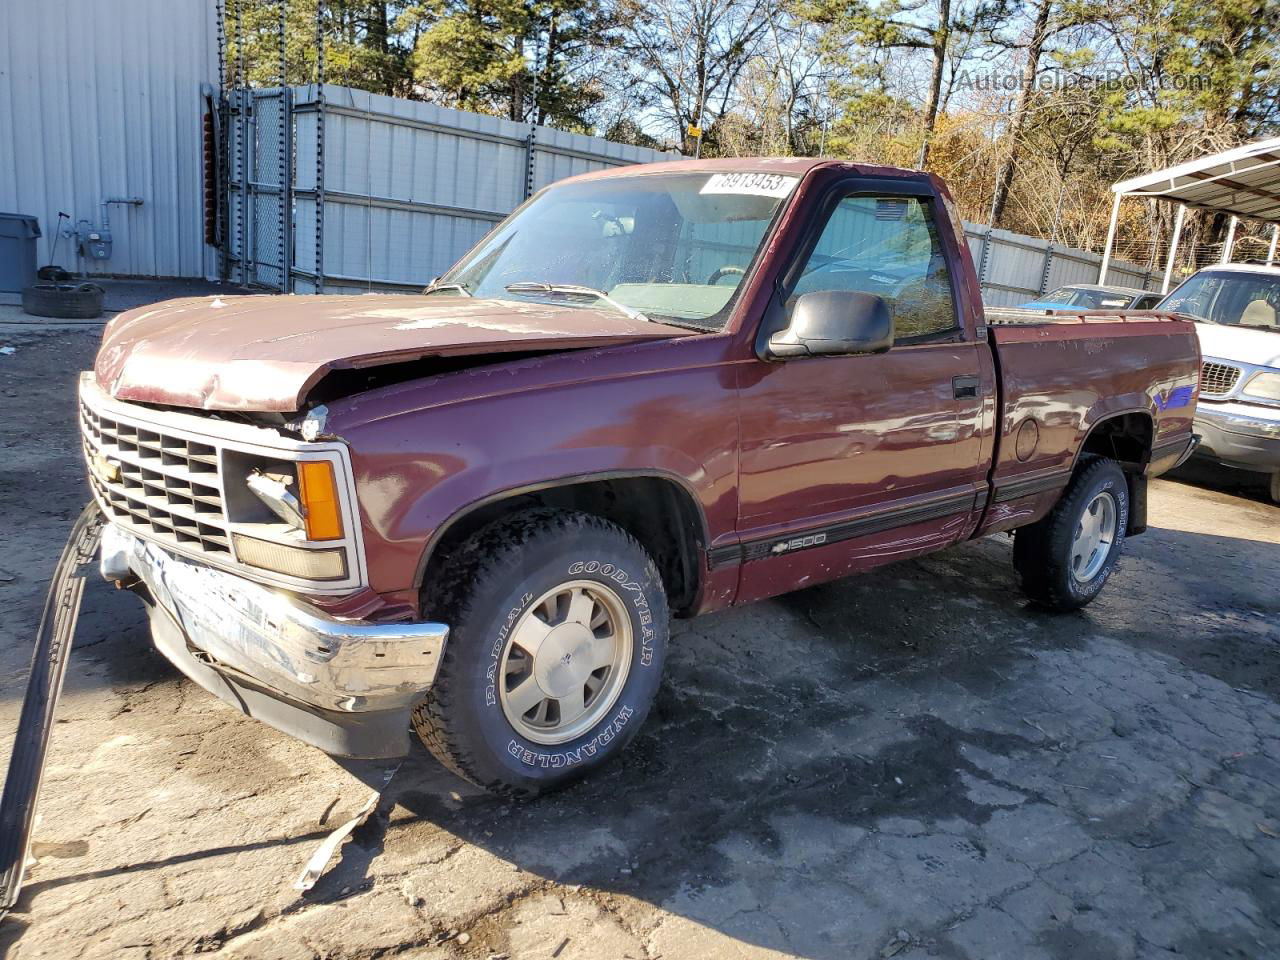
column 558, row 628
column 1065, row 558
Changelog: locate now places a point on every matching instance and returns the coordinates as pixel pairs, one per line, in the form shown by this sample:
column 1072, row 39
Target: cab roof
column 791, row 166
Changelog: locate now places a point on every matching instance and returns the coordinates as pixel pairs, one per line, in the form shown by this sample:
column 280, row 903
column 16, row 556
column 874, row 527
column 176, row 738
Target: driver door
column 851, row 461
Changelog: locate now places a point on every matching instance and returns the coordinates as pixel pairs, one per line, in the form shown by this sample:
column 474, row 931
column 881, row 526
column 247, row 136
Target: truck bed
column 1060, row 374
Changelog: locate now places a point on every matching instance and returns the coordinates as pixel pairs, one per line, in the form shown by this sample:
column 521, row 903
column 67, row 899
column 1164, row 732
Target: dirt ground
column 911, row 764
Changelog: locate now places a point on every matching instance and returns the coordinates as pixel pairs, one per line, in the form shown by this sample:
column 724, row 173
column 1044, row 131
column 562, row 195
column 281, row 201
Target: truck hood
column 1243, row 344
column 265, row 353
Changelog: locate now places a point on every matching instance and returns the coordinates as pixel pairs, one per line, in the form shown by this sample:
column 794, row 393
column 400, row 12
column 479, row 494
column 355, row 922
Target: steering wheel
column 724, row 272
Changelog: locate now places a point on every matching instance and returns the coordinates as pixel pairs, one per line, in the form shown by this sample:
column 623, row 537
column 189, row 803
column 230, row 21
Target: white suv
column 1238, row 416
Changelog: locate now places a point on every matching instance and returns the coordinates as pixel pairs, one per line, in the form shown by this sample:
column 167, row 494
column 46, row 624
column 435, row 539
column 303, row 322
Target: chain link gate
column 259, row 195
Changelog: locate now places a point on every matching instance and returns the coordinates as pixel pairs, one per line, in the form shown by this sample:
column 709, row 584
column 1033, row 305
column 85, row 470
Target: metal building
column 102, row 100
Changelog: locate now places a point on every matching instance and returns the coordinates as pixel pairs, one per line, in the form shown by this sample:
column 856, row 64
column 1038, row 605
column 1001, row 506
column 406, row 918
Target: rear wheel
column 558, row 627
column 1066, row 558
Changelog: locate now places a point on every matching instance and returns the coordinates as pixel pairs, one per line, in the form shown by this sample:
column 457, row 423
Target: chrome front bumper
column 1237, row 434
column 345, row 686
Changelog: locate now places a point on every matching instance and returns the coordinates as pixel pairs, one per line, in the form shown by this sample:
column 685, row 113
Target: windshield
column 667, row 246
column 1088, row 299
column 1236, row 299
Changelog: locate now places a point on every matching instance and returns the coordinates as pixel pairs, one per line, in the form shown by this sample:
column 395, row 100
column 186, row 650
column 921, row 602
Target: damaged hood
column 265, row 353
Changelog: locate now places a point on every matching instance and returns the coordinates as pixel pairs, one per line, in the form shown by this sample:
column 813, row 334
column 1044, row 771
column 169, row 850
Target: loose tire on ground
column 64, row 301
column 575, row 589
column 1065, row 558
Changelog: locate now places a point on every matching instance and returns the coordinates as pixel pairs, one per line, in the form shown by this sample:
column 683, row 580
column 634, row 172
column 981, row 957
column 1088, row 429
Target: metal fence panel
column 259, row 163
column 409, row 187
column 1014, row 268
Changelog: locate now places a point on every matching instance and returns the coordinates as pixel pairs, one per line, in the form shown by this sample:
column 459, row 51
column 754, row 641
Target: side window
column 887, row 246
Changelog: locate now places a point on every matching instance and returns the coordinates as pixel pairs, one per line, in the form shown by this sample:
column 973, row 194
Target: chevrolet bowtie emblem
column 105, row 469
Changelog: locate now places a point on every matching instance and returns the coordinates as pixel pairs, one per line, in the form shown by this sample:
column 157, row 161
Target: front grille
column 163, row 486
column 1217, row 379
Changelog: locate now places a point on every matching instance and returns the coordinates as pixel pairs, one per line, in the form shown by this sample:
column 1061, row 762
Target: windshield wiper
column 461, row 288
column 574, row 290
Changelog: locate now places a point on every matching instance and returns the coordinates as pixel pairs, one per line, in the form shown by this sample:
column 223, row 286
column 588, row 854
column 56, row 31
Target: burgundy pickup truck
column 655, row 390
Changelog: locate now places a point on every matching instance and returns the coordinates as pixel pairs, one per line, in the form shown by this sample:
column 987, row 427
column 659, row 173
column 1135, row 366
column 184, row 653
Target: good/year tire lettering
column 638, row 599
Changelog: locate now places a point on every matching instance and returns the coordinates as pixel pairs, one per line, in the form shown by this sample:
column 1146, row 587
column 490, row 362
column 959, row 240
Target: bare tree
column 687, row 55
column 877, row 29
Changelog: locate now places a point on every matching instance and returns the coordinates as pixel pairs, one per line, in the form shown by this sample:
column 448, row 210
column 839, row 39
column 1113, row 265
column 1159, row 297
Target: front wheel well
column 659, row 512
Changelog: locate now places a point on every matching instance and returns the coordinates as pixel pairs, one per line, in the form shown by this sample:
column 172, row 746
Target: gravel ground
column 910, row 764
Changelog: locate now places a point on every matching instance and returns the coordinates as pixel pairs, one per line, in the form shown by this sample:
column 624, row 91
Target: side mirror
column 834, row 323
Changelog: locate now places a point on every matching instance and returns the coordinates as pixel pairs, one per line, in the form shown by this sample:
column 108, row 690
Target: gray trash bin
column 18, row 234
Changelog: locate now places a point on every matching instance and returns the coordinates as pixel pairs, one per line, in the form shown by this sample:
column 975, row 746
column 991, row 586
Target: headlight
column 287, row 515
column 1264, row 386
column 273, row 490
column 314, row 510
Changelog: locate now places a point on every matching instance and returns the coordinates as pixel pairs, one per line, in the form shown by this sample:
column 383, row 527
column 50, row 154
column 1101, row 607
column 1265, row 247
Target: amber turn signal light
column 319, row 495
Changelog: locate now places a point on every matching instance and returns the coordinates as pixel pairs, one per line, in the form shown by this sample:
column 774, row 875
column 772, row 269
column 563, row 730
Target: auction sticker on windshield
column 751, row 184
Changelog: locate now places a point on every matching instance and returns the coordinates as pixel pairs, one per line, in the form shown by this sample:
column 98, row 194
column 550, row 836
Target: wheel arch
column 1127, row 437
column 659, row 509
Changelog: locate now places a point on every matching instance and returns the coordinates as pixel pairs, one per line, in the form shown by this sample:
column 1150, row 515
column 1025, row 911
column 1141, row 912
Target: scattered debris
column 329, row 846
column 6, row 576
column 901, row 940
column 44, row 685
column 8, row 351
column 464, row 939
column 1268, row 829
column 557, row 951
column 60, row 851
column 324, row 817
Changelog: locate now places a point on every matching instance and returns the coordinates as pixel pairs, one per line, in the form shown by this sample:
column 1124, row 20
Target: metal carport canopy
column 1241, row 182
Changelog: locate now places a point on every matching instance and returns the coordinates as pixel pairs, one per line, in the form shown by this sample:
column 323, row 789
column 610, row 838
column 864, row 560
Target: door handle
column 964, row 387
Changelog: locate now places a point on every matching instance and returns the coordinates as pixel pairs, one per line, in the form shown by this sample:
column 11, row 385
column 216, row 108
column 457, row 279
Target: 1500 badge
column 799, row 543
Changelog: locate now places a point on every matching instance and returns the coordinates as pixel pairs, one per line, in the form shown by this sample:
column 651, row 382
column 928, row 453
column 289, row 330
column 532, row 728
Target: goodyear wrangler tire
column 1065, row 559
column 558, row 630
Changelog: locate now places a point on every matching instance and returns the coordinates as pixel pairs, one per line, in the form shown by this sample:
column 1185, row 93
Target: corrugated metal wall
column 101, row 98
column 1016, row 268
column 409, row 187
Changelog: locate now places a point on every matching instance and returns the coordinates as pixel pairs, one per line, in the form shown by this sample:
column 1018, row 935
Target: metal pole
column 1044, row 270
column 243, row 211
column 1111, row 239
column 220, row 115
column 1173, row 246
column 285, row 168
column 531, row 143
column 1275, row 236
column 221, row 13
column 984, row 256
column 1231, row 240
column 320, row 147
